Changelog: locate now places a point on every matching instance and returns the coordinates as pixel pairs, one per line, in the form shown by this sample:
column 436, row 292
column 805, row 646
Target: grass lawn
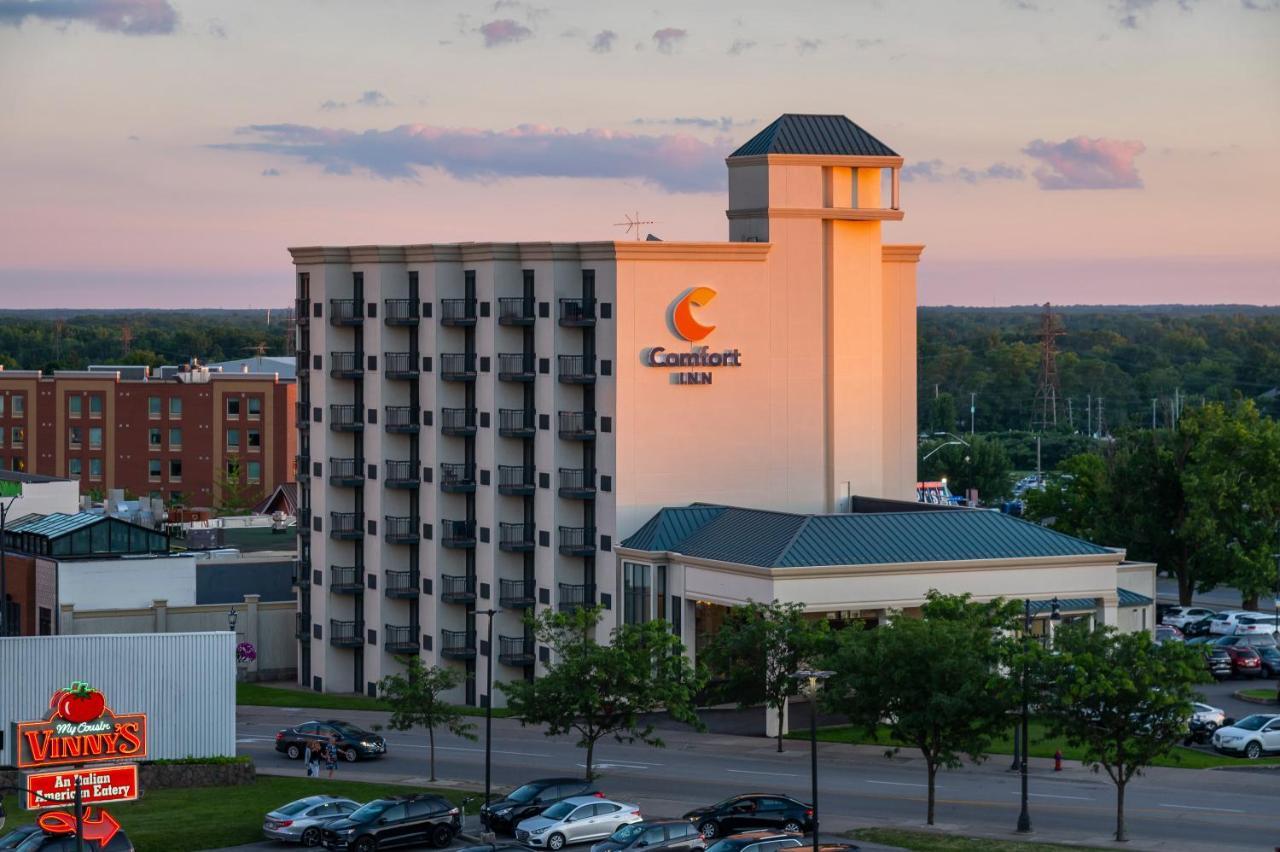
column 927, row 841
column 273, row 696
column 1041, row 746
column 1259, row 693
column 194, row 818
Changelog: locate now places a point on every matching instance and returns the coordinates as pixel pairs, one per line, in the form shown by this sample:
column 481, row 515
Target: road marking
column 619, row 765
column 1198, row 808
column 900, row 784
column 1052, row 796
column 253, row 740
column 478, row 750
column 778, row 774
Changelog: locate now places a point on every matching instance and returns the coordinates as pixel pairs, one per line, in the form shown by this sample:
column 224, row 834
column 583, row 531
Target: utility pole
column 973, row 405
column 1101, row 423
column 1153, row 414
column 1071, row 420
column 1089, row 409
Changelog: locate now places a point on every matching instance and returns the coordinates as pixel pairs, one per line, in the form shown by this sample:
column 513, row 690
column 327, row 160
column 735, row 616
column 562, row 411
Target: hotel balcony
column 302, row 468
column 516, row 594
column 302, row 414
column 458, row 478
column 458, row 366
column 302, row 311
column 346, row 365
column 346, row 580
column 577, row 313
column 301, row 575
column 400, row 312
column 302, row 626
column 576, row 369
column 348, row 473
column 459, row 422
column 577, row 483
column 517, row 422
column 576, row 425
column 577, row 541
column 516, row 479
column 400, row 474
column 346, row 634
column 346, row 418
column 346, row 526
column 348, row 312
column 400, row 529
column 516, row 311
column 515, row 651
column 517, row 367
column 399, row 639
column 576, row 597
column 460, row 535
column 402, row 366
column 458, row 312
column 457, row 588
column 516, row 538
column 401, row 584
column 458, row 644
column 401, row 419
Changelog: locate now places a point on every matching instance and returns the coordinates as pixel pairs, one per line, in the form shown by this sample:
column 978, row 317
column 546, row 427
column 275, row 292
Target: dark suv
column 529, row 800
column 758, row 841
column 396, row 821
column 750, row 813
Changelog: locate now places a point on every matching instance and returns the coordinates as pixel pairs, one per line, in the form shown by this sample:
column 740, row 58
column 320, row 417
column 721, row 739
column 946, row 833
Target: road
column 1168, row 809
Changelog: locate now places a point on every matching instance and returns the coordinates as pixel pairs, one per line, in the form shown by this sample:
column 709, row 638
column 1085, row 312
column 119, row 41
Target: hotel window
column 75, row 435
column 175, row 439
column 233, row 440
column 175, row 470
column 153, row 407
column 2, row 463
column 19, row 404
column 75, row 405
column 95, row 405
column 254, row 440
column 175, row 406
column 635, row 593
column 73, row 467
column 153, row 438
column 1, row 433
column 2, row 399
column 19, row 463
column 153, row 470
column 95, row 437
column 17, row 437
column 233, row 407
column 95, row 468
column 255, row 407
column 255, row 472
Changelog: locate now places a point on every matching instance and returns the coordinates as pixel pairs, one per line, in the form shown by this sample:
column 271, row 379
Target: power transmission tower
column 58, row 326
column 126, row 337
column 1044, row 412
column 290, row 332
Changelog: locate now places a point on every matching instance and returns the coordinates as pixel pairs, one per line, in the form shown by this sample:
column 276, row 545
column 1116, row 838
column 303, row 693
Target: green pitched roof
column 786, row 540
column 830, row 135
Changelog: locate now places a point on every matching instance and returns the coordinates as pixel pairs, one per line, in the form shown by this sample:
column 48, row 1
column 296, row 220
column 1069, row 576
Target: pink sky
column 166, row 152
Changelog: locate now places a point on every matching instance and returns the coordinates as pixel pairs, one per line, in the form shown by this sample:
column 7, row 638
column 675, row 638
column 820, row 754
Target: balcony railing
column 457, row 478
column 458, row 366
column 516, row 479
column 346, row 312
column 400, row 312
column 458, row 312
column 302, row 468
column 401, row 419
column 346, row 418
column 576, row 425
column 400, row 529
column 458, row 534
column 577, row 313
column 400, row 474
column 402, row 584
column 302, row 575
column 515, row 651
column 346, row 526
column 302, row 626
column 400, row 639
column 457, row 588
column 516, row 311
column 576, row 369
column 460, row 422
column 576, row 597
column 458, row 644
column 517, row 367
column 346, row 580
column 346, row 365
column 346, row 634
column 346, row 472
column 400, row 365
column 517, row 422
column 302, row 311
column 577, row 541
column 577, row 483
column 516, row 538
column 516, row 594
column 302, row 415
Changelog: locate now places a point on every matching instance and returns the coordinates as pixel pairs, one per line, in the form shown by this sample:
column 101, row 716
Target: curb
column 1240, row 696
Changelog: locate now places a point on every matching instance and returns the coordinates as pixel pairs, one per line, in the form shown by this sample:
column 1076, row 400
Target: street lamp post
column 488, row 702
column 232, row 617
column 77, row 804
column 1024, row 817
column 813, row 678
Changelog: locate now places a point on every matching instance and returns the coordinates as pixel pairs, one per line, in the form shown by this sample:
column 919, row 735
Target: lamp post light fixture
column 232, row 617
column 1055, row 614
column 488, row 703
column 813, row 678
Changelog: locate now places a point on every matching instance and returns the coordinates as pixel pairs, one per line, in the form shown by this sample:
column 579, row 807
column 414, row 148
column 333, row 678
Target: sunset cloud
column 370, row 98
column 131, row 17
column 936, row 171
column 669, row 39
column 602, row 42
column 1083, row 163
column 504, row 31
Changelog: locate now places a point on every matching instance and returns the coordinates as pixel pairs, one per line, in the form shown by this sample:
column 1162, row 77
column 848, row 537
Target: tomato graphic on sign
column 78, row 703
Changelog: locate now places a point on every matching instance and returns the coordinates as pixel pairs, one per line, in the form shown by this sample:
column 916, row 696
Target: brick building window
column 95, row 437
column 2, row 399
column 75, row 435
column 17, row 437
column 153, row 470
column 19, row 404
column 255, row 407
column 175, row 438
column 153, row 407
column 75, row 405
column 175, row 470
column 254, row 470
column 95, row 469
column 153, row 438
column 19, row 463
column 175, row 407
column 233, row 440
column 233, row 407
column 95, row 405
column 253, row 439
column 73, row 467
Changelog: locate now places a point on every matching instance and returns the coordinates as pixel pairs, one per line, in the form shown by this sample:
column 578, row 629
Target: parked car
column 303, row 821
column 669, row 835
column 1257, row 640
column 1167, row 633
column 529, row 800
column 575, row 820
column 397, row 821
column 494, row 847
column 354, row 743
column 13, row 839
column 1181, row 616
column 750, row 812
column 1245, row 661
column 1225, row 622
column 1252, row 736
column 1270, row 655
column 39, row 841
column 1197, row 628
column 1215, row 716
column 1218, row 662
column 757, row 841
column 1257, row 624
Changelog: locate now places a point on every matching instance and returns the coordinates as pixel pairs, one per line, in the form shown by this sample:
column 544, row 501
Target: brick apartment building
column 168, row 435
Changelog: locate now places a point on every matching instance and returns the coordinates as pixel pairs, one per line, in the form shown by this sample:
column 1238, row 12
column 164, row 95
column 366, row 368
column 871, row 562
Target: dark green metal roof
column 832, row 135
column 786, row 540
column 1128, row 598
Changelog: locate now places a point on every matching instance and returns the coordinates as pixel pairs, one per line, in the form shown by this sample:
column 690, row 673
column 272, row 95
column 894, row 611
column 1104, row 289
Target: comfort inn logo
column 685, row 325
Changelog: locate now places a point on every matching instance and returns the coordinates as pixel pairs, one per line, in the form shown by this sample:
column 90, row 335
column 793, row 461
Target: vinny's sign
column 57, row 788
column 80, row 728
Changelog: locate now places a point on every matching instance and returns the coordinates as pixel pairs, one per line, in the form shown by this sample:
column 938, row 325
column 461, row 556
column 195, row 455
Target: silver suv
column 575, row 820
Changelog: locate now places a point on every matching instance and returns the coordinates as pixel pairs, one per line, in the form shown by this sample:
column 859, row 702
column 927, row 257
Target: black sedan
column 1270, row 655
column 353, row 743
column 529, row 800
column 752, row 812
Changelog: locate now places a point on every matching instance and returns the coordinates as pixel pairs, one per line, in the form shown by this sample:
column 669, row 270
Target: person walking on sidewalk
column 331, row 754
column 313, row 759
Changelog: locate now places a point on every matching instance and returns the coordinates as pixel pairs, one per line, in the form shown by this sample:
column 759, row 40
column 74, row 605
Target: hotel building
column 515, row 426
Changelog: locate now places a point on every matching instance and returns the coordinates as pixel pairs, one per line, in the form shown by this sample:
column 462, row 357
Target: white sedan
column 1181, row 616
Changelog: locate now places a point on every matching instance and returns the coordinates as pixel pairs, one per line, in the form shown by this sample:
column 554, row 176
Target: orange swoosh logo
column 682, row 314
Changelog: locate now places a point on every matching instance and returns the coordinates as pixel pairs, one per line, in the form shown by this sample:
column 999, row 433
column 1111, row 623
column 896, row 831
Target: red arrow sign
column 101, row 829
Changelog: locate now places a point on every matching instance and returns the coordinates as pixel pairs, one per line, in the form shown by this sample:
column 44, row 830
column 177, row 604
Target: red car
column 1245, row 661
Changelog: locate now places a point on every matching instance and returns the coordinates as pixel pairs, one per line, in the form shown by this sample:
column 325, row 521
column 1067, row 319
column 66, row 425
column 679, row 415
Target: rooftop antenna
column 634, row 223
column 259, row 348
column 126, row 337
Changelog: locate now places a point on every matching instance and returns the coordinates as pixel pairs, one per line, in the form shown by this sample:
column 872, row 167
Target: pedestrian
column 313, row 758
column 331, row 754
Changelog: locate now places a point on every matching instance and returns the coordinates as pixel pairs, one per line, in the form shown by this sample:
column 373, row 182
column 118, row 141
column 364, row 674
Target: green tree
column 416, row 699
column 982, row 464
column 233, row 493
column 758, row 647
column 596, row 690
column 942, row 413
column 1120, row 697
column 952, row 698
column 1072, row 497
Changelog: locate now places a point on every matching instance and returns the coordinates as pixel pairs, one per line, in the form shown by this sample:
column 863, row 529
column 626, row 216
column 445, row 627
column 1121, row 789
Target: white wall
column 45, row 498
column 95, row 584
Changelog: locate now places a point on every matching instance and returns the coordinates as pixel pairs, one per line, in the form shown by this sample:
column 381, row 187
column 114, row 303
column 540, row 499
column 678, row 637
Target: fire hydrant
column 1057, row 761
